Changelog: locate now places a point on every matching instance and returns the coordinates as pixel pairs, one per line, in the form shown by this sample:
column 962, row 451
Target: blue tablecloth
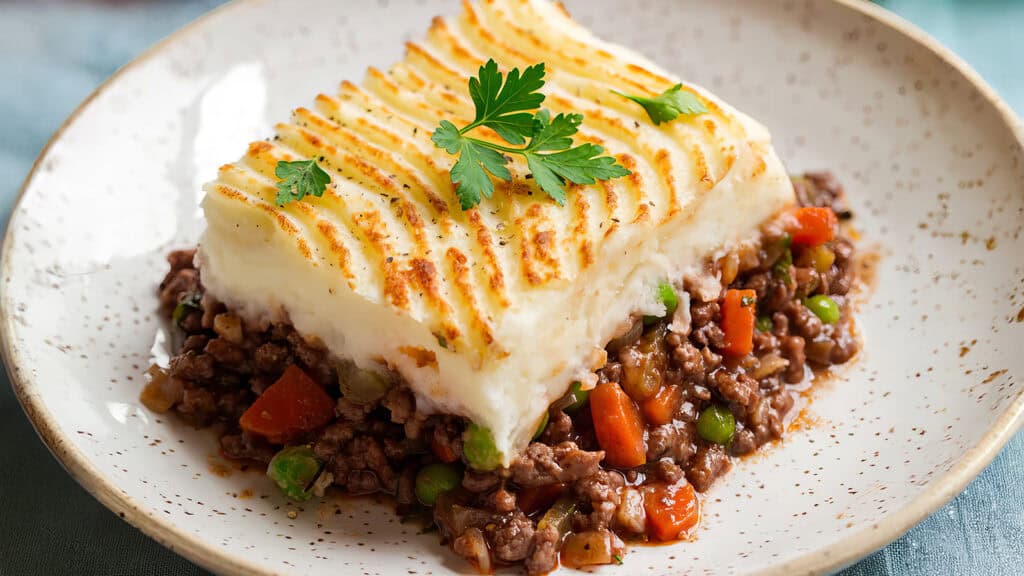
column 52, row 55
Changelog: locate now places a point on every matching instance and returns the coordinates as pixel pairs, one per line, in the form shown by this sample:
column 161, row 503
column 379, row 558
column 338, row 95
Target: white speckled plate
column 931, row 157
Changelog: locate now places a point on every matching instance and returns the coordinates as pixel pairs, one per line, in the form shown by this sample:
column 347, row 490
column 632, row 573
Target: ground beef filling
column 223, row 365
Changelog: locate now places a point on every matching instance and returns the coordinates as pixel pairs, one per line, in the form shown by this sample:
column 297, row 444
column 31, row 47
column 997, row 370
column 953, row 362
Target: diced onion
column 705, row 287
column 162, row 392
column 472, row 546
column 768, row 365
column 681, row 320
column 630, row 335
column 323, row 481
column 361, row 386
column 729, row 266
column 819, row 351
column 229, row 327
column 587, row 549
column 559, row 516
column 631, row 515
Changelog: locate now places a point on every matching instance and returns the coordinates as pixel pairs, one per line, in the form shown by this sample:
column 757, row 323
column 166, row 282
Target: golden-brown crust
column 421, row 356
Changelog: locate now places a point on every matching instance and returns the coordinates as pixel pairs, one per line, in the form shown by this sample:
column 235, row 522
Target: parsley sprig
column 299, row 179
column 668, row 105
column 503, row 104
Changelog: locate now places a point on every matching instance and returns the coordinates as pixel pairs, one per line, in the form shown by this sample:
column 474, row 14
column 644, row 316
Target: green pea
column 543, row 425
column 716, row 424
column 433, row 479
column 824, row 308
column 479, row 448
column 579, row 397
column 764, row 324
column 667, row 296
column 294, row 469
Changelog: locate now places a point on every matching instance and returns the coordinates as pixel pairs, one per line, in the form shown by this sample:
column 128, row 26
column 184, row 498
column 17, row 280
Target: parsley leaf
column 668, row 105
column 497, row 103
column 298, row 179
column 617, row 558
column 441, row 341
column 501, row 104
column 580, row 165
column 548, row 134
column 447, row 136
column 476, row 160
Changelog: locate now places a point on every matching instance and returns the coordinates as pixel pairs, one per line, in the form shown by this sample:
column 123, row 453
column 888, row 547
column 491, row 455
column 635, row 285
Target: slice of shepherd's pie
column 550, row 305
column 492, row 312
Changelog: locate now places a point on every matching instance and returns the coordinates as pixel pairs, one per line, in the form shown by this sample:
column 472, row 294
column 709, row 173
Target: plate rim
column 214, row 558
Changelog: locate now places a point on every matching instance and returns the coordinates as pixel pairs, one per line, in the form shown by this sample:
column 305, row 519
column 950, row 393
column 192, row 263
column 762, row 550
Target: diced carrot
column 662, row 407
column 739, row 312
column 813, row 226
column 618, row 426
column 537, row 498
column 672, row 510
column 289, row 408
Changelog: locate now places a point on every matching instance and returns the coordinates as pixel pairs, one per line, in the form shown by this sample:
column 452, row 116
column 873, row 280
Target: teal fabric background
column 53, row 54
